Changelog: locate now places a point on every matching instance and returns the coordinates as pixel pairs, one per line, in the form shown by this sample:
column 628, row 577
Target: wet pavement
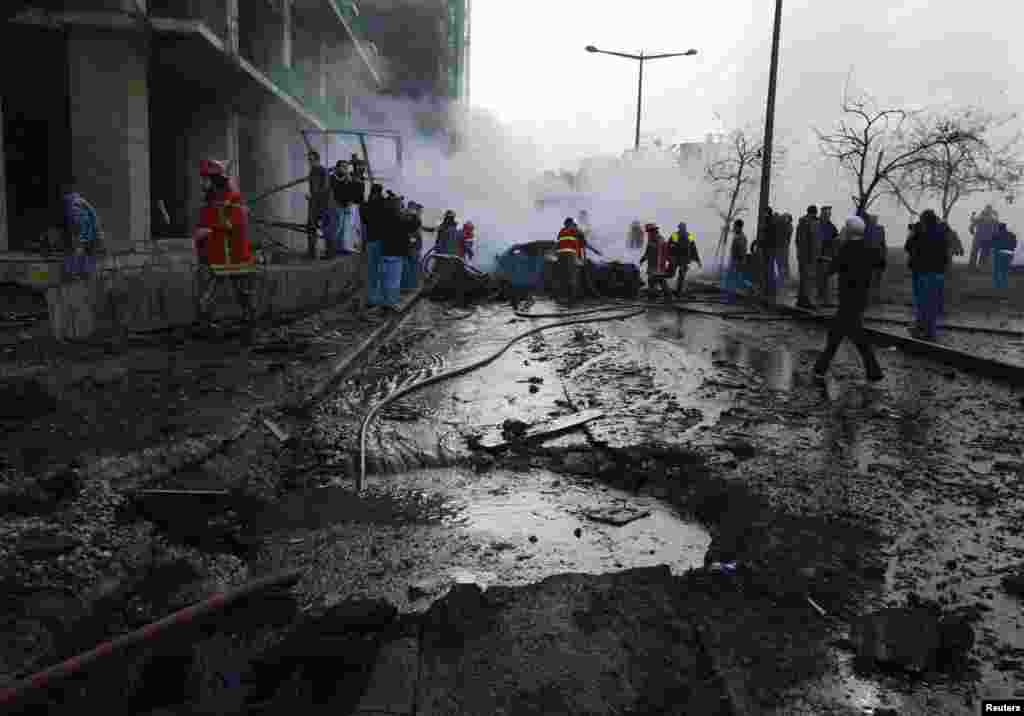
column 928, row 462
column 909, row 459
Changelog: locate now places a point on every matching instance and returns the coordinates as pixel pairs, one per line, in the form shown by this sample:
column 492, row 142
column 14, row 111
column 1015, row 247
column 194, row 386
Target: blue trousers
column 1001, row 269
column 930, row 288
column 410, row 271
column 393, row 280
column 375, row 272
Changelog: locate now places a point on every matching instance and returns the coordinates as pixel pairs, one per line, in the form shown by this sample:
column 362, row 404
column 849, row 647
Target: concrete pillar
column 109, row 99
column 322, row 73
column 234, row 154
column 4, row 241
column 286, row 36
column 232, row 26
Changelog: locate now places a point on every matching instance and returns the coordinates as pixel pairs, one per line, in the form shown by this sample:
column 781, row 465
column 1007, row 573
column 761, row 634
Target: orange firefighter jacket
column 227, row 245
column 569, row 241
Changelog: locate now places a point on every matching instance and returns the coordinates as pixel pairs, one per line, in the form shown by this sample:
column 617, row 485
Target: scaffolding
column 458, row 49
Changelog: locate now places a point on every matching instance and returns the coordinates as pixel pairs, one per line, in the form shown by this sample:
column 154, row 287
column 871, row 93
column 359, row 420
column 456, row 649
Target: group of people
column 991, row 239
column 336, row 200
column 667, row 258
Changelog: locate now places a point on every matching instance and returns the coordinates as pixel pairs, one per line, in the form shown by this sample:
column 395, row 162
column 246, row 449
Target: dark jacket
column 827, row 236
column 807, row 239
column 768, row 237
column 396, row 234
column 855, row 263
column 874, row 236
column 374, row 216
column 355, row 191
column 738, row 253
column 927, row 249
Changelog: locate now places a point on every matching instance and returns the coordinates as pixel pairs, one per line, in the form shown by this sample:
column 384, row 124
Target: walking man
column 684, row 252
column 784, row 229
column 855, row 263
column 928, row 253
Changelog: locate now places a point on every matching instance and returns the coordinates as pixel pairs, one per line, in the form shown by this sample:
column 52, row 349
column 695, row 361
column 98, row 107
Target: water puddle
column 534, row 524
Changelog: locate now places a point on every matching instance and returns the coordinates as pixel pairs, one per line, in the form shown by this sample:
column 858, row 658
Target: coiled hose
column 408, row 388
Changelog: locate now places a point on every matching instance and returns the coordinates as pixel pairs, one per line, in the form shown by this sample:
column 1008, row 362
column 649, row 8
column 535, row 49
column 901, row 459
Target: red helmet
column 212, row 168
column 650, row 228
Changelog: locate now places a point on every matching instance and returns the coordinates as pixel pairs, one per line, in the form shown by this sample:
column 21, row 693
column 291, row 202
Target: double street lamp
column 640, row 88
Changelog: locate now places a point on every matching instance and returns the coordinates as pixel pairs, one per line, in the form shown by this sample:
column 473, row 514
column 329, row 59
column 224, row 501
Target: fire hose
column 456, row 372
column 47, row 677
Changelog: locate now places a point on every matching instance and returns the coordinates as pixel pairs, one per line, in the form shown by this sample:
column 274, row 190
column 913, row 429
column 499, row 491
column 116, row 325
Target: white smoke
column 489, row 181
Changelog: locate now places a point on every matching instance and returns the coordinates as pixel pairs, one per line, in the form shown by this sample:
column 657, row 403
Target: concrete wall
column 109, row 99
column 164, row 294
column 3, row 184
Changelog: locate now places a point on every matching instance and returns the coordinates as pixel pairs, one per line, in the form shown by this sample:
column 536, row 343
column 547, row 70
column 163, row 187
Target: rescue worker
column 467, row 246
column 448, row 235
column 806, row 255
column 855, row 263
column 222, row 235
column 928, row 258
column 827, row 238
column 683, row 248
column 655, row 255
column 570, row 259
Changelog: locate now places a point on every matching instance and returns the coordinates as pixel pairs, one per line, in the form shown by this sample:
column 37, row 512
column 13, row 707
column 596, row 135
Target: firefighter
column 467, row 247
column 222, row 236
column 683, row 249
column 570, row 258
column 657, row 258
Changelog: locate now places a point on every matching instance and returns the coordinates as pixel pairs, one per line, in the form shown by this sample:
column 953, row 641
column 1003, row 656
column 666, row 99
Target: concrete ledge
column 165, row 295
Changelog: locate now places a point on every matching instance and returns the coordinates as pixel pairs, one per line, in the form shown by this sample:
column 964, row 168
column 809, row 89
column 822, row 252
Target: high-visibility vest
column 228, row 244
column 675, row 242
column 569, row 241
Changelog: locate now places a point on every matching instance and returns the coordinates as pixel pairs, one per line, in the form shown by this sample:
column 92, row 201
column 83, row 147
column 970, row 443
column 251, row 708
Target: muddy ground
column 831, row 501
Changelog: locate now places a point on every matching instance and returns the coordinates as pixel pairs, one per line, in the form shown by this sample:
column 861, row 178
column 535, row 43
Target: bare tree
column 733, row 174
column 875, row 146
column 962, row 158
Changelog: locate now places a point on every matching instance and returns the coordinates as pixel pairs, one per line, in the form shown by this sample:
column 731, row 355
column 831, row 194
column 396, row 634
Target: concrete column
column 232, row 26
column 109, row 99
column 234, row 153
column 4, row 241
column 323, row 73
column 286, row 30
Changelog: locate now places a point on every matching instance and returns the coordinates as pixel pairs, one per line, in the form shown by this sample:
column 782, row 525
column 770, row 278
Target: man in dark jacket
column 375, row 221
column 395, row 245
column 855, row 263
column 928, row 253
column 828, row 236
column 807, row 255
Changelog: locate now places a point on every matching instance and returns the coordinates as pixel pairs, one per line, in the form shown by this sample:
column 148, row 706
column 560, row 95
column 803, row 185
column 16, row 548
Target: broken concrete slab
column 518, row 432
column 392, row 687
column 913, row 638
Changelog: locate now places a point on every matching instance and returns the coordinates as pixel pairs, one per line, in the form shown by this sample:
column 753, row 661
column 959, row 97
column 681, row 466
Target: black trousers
column 848, row 325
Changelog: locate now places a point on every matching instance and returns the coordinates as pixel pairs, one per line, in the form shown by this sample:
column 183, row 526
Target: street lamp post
column 641, row 58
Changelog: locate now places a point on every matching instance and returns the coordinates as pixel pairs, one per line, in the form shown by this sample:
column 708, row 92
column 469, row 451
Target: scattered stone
column 42, row 545
column 913, row 638
column 616, row 516
column 578, row 532
column 427, row 588
column 533, row 539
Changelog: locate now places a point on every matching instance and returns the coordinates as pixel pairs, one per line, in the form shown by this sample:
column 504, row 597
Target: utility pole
column 769, row 123
column 639, row 101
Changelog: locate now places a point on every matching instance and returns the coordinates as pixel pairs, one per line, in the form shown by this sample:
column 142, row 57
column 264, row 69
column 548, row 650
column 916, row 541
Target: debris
column 533, row 539
column 518, row 431
column 276, row 429
column 722, row 567
column 914, row 638
column 817, row 607
column 616, row 516
column 578, row 532
column 1014, row 584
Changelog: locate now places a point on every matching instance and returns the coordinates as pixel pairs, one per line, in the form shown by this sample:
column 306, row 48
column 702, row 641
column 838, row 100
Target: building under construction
column 127, row 96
